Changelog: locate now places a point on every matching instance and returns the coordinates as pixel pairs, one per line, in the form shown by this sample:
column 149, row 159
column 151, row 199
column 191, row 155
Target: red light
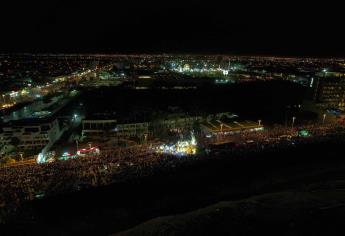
column 87, row 150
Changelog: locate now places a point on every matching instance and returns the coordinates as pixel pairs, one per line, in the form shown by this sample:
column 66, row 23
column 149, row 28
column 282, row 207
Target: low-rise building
column 31, row 133
column 181, row 122
column 216, row 127
column 92, row 127
column 110, row 127
column 132, row 130
column 98, row 127
column 330, row 92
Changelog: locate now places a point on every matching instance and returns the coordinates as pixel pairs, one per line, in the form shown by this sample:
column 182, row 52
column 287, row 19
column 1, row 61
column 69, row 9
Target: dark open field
column 253, row 100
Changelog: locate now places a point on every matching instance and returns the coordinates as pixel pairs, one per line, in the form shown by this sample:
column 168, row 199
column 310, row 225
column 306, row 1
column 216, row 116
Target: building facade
column 330, row 92
column 30, row 134
column 112, row 128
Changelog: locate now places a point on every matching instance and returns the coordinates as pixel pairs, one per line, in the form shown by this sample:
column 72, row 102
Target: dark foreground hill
column 316, row 212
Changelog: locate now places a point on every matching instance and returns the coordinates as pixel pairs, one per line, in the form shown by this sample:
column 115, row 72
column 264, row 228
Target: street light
column 293, row 121
column 323, row 118
column 145, row 136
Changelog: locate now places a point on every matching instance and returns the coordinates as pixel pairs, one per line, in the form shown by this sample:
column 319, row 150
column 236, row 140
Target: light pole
column 323, row 118
column 145, row 136
column 293, row 121
column 4, row 98
column 77, row 143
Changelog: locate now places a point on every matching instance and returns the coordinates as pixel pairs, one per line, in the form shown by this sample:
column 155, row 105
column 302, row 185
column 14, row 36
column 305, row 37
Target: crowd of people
column 28, row 182
column 278, row 138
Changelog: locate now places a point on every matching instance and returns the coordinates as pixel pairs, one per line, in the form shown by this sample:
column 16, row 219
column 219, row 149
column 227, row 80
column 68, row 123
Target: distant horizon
column 175, row 53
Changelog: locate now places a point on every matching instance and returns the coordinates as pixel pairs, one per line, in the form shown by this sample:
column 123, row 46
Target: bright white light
column 40, row 158
column 181, row 148
column 311, row 82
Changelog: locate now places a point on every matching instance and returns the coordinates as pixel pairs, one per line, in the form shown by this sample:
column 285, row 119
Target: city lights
column 181, row 148
column 66, row 155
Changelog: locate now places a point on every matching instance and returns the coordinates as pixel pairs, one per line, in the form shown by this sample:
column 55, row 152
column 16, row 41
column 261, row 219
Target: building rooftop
column 221, row 126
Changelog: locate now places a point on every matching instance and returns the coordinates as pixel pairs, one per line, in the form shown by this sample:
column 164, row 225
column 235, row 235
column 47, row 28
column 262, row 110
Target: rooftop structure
column 216, row 127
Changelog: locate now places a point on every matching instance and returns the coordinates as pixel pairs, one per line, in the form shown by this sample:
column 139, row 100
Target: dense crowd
column 27, row 182
column 276, row 139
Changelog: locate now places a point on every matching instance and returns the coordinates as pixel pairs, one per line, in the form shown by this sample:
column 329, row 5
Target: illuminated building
column 329, row 92
column 31, row 133
column 35, row 126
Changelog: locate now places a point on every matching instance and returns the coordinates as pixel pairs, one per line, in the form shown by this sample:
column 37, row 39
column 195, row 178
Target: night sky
column 315, row 29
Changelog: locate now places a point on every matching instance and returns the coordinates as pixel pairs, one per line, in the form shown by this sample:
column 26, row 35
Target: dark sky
column 115, row 26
